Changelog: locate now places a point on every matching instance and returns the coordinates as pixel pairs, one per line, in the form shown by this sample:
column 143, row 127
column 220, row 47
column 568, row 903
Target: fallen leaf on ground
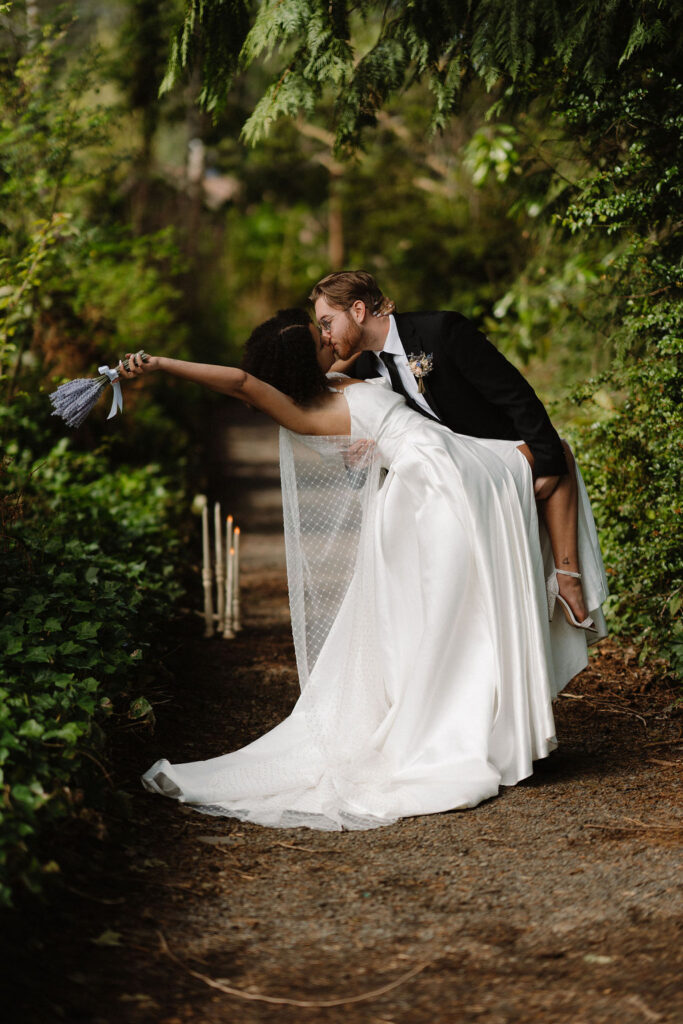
column 107, row 938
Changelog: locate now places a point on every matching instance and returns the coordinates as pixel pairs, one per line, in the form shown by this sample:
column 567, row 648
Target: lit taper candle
column 207, row 575
column 220, row 567
column 236, row 623
column 228, row 633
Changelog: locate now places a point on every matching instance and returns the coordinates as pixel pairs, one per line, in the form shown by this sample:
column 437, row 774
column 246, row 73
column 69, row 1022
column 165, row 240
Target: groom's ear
column 359, row 311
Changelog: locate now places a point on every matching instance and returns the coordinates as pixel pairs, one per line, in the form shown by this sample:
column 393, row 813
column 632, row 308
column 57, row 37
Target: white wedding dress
column 425, row 656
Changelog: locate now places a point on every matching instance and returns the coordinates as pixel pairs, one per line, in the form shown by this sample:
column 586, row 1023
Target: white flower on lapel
column 420, row 365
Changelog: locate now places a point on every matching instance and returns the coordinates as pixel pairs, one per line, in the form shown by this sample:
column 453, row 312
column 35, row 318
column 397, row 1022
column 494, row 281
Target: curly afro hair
column 281, row 352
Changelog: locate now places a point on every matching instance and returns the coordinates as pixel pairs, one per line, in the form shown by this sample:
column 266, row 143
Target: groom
column 469, row 386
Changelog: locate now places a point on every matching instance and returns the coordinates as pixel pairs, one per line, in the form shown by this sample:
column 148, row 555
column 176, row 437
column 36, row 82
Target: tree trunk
column 335, row 226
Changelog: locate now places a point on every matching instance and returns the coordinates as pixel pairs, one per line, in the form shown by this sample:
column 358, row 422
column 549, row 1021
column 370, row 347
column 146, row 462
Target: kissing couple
column 444, row 570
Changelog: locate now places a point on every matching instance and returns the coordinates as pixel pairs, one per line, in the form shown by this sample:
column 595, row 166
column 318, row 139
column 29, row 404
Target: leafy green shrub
column 635, row 451
column 632, row 461
column 89, row 583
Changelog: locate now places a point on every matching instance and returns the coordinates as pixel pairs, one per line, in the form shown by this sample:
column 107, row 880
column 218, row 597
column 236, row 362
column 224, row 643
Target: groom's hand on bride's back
column 358, row 454
column 357, row 458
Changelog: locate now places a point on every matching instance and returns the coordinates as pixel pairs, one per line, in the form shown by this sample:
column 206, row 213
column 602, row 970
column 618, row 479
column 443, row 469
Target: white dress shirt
column 393, row 346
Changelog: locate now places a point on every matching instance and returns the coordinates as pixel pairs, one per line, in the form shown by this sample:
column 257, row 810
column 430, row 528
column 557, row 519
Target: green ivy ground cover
column 88, row 582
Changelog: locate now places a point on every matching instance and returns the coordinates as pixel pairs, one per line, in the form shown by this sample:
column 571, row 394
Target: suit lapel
column 413, row 343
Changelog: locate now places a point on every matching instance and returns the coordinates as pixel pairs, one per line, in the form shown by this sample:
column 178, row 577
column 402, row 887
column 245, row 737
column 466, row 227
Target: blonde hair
column 345, row 287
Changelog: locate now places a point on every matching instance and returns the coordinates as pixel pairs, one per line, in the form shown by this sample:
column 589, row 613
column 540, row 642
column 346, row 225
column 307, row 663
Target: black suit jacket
column 473, row 388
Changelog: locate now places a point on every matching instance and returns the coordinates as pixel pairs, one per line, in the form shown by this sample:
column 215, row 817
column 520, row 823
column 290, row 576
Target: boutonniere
column 420, row 365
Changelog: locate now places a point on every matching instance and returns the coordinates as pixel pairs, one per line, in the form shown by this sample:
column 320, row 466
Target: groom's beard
column 349, row 341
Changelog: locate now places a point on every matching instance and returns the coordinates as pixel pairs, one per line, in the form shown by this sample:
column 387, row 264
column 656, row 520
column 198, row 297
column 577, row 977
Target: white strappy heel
column 553, row 593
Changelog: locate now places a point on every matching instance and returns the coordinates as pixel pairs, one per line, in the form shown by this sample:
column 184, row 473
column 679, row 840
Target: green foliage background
column 518, row 162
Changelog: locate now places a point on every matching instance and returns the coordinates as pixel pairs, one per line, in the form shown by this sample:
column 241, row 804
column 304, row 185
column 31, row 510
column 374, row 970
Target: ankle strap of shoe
column 566, row 572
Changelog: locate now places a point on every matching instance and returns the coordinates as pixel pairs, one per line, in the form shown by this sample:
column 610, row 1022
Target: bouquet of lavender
column 74, row 400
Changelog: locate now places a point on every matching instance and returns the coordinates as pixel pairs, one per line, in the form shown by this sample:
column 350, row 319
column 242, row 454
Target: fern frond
column 288, row 97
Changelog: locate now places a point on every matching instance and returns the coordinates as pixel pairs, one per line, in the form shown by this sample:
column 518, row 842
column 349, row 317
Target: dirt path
column 556, row 902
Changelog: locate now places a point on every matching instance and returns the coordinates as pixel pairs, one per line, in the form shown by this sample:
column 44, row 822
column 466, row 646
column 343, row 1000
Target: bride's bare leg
column 561, row 516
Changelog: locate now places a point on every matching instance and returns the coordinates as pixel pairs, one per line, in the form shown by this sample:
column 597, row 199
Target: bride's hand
column 136, row 366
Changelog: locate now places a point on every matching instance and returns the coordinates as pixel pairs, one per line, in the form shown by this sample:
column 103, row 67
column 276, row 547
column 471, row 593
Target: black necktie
column 398, row 385
column 394, row 376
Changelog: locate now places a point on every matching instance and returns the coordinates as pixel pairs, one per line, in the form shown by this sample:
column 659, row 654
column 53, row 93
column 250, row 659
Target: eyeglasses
column 325, row 321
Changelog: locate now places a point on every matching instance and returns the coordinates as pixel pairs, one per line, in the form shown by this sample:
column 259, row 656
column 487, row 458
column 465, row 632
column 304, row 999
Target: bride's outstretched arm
column 330, row 415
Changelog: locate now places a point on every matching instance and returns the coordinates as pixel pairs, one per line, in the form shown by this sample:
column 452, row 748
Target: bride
column 417, row 575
